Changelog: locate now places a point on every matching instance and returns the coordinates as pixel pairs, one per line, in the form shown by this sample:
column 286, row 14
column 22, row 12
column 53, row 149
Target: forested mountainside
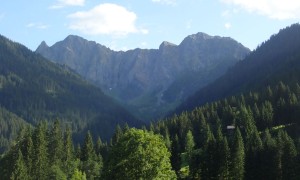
column 150, row 82
column 34, row 89
column 277, row 59
column 251, row 135
column 255, row 135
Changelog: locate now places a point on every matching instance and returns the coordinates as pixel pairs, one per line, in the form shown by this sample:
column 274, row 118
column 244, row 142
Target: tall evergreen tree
column 288, row 155
column 238, row 157
column 118, row 133
column 20, row 171
column 91, row 163
column 175, row 154
column 56, row 144
column 254, row 147
column 40, row 156
column 222, row 156
column 69, row 162
column 208, row 170
column 270, row 158
column 189, row 144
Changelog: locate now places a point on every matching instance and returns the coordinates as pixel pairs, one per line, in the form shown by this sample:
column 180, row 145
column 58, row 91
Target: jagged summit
column 42, row 46
column 165, row 44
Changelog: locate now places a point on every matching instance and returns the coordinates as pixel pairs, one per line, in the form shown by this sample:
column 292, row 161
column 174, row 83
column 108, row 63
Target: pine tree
column 56, row 144
column 288, row 155
column 267, row 114
column 175, row 154
column 167, row 140
column 189, row 144
column 69, row 162
column 238, row 157
column 270, row 161
column 28, row 151
column 91, row 163
column 208, row 170
column 118, row 133
column 222, row 156
column 20, row 170
column 40, row 156
column 254, row 147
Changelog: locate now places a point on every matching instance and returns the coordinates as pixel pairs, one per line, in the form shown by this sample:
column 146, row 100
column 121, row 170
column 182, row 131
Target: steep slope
column 36, row 89
column 277, row 59
column 150, row 82
column 10, row 126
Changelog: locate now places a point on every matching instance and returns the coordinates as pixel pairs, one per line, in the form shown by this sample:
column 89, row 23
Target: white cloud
column 37, row 25
column 227, row 25
column 106, row 18
column 63, row 3
column 167, row 2
column 275, row 9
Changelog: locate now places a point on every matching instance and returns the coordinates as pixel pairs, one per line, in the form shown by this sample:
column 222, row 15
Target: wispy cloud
column 227, row 25
column 275, row 9
column 37, row 25
column 167, row 2
column 110, row 19
column 62, row 3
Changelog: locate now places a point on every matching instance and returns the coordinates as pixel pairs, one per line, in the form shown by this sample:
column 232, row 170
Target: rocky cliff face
column 149, row 82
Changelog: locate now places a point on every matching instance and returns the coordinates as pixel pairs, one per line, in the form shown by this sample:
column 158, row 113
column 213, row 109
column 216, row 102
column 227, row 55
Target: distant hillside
column 150, row 82
column 36, row 89
column 277, row 59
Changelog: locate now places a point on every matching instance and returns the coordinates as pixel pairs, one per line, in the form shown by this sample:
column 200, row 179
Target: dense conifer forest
column 250, row 136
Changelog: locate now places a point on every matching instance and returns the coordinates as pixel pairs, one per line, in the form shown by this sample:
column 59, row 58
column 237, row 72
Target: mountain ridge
column 273, row 59
column 35, row 89
column 141, row 78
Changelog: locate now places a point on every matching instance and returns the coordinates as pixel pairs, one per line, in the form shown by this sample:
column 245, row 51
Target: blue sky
column 129, row 24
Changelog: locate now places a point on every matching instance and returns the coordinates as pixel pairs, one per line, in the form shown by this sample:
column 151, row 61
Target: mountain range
column 149, row 82
column 33, row 89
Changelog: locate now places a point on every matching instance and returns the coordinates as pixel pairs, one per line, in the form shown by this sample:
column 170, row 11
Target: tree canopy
column 140, row 155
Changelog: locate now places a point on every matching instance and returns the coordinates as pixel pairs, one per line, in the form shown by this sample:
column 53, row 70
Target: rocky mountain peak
column 166, row 44
column 43, row 46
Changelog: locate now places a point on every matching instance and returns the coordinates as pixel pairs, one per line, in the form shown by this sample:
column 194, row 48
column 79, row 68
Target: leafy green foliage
column 139, row 155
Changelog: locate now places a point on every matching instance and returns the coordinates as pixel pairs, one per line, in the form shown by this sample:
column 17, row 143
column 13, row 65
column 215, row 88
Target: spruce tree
column 56, row 144
column 91, row 163
column 222, row 156
column 175, row 154
column 118, row 133
column 208, row 170
column 69, row 162
column 238, row 157
column 254, row 147
column 270, row 160
column 288, row 155
column 40, row 157
column 189, row 144
column 19, row 171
